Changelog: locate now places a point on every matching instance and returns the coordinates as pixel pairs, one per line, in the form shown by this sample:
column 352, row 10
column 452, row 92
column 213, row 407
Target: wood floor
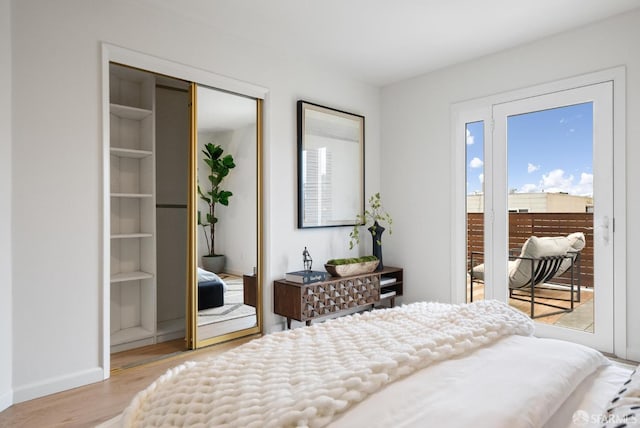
column 91, row 405
column 146, row 354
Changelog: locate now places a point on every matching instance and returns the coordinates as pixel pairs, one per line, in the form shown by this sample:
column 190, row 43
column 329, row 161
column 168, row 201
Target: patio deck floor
column 581, row 318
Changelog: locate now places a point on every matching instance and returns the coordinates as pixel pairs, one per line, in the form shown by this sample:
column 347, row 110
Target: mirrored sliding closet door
column 224, row 215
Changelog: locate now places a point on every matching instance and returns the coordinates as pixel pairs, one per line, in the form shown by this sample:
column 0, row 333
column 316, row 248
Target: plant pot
column 214, row 264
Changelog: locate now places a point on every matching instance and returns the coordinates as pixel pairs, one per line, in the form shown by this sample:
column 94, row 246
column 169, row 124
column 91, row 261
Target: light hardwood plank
column 146, row 354
column 91, row 405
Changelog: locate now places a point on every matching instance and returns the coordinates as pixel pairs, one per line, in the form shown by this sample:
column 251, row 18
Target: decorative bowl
column 352, row 268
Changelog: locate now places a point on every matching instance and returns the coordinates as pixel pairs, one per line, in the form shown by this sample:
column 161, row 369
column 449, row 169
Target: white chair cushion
column 534, row 247
column 478, row 272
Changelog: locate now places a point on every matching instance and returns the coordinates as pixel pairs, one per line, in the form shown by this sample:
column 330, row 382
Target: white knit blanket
column 307, row 376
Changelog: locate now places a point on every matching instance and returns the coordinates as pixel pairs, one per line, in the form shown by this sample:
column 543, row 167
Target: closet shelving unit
column 132, row 200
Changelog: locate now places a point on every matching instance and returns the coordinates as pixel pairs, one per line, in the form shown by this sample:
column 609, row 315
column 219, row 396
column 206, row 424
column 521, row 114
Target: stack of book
column 306, row 276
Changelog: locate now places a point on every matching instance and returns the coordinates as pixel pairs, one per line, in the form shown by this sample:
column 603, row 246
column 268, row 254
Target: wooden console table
column 305, row 302
column 250, row 290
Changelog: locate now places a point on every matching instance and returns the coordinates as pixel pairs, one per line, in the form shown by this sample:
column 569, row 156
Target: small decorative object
column 375, row 214
column 307, row 261
column 354, row 266
column 219, row 167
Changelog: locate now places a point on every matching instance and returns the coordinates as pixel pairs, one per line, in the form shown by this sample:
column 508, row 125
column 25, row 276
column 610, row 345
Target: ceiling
column 384, row 41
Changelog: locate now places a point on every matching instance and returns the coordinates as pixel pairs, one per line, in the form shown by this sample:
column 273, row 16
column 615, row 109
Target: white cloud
column 481, row 178
column 470, row 137
column 558, row 181
column 532, row 168
column 585, row 186
column 586, row 179
column 476, row 162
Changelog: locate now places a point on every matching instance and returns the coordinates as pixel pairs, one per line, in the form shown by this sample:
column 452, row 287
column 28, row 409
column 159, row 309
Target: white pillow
column 205, row 275
column 625, row 406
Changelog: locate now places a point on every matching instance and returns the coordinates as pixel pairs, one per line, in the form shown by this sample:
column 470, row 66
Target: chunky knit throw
column 307, row 376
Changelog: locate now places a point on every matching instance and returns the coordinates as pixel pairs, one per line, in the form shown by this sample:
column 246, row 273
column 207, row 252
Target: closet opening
column 149, row 152
column 157, row 133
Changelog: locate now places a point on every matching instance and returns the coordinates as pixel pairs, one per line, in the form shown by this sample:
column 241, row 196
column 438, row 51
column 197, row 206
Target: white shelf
column 130, row 335
column 130, row 153
column 387, row 295
column 128, row 112
column 132, row 220
column 130, row 276
column 131, row 235
column 131, row 195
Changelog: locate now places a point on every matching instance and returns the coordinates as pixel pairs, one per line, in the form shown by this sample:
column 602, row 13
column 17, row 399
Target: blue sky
column 549, row 150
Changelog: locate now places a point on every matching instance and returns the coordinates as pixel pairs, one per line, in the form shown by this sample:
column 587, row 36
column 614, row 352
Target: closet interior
column 149, row 149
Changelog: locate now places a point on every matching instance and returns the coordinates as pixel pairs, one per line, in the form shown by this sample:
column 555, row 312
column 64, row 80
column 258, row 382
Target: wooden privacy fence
column 524, row 225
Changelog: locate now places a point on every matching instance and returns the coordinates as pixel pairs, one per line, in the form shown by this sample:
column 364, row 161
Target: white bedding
column 305, row 377
column 516, row 381
column 590, row 399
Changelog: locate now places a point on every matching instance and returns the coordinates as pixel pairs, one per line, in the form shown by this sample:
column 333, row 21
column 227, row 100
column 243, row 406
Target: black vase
column 376, row 234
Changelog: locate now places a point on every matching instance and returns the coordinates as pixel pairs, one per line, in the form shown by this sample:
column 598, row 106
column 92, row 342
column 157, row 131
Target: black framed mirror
column 330, row 166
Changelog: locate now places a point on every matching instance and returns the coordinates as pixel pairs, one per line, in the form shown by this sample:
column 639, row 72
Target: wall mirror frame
column 160, row 68
column 330, row 166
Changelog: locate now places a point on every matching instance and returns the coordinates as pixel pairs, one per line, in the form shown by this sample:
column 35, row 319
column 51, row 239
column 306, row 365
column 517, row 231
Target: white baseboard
column 57, row 384
column 633, row 355
column 6, row 400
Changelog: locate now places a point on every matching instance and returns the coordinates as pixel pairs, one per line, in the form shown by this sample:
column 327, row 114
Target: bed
column 211, row 290
column 418, row 365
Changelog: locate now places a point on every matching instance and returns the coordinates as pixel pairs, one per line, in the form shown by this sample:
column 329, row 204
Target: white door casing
column 609, row 190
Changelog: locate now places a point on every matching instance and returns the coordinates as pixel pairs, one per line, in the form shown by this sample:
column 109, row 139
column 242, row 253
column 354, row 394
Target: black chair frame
column 542, row 273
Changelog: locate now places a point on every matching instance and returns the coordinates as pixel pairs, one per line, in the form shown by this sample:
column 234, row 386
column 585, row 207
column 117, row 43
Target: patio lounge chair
column 540, row 261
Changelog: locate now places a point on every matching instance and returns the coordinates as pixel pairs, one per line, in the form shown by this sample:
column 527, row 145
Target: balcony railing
column 524, row 225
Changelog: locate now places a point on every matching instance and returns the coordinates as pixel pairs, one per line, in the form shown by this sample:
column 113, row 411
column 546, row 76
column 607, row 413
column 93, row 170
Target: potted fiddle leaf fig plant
column 213, row 194
column 375, row 215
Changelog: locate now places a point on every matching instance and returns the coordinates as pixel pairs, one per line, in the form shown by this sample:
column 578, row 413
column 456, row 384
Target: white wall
column 6, row 338
column 238, row 242
column 237, row 222
column 58, row 167
column 417, row 154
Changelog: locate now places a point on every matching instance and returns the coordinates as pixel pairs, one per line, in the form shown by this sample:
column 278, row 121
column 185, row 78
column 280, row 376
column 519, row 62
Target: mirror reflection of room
column 227, row 212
